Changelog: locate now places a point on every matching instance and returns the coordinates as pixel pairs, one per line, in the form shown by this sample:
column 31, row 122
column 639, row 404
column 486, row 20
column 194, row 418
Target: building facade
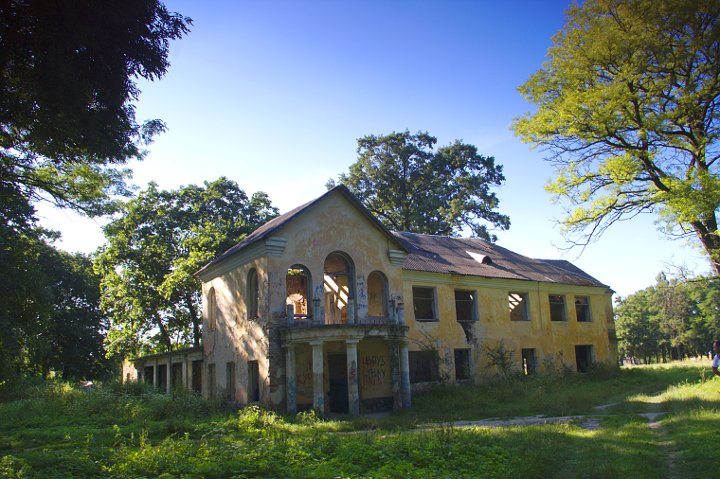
column 325, row 308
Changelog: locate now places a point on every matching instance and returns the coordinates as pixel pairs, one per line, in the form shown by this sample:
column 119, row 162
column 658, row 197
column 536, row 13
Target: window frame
column 433, row 304
column 564, row 307
column 588, row 309
column 473, row 305
column 525, row 302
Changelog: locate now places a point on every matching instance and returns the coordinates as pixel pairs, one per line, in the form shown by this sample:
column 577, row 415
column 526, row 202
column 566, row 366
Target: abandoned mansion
column 325, row 308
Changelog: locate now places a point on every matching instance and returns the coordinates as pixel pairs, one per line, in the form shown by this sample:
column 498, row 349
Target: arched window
column 298, row 284
column 252, row 294
column 339, row 286
column 212, row 310
column 377, row 294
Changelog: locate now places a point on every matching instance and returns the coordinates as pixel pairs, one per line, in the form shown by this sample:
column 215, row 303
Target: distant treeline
column 673, row 319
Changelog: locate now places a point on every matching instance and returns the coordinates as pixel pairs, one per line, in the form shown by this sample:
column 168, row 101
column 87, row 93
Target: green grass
column 56, row 430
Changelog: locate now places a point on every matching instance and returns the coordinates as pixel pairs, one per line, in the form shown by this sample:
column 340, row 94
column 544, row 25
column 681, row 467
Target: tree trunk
column 165, row 337
column 706, row 232
column 196, row 321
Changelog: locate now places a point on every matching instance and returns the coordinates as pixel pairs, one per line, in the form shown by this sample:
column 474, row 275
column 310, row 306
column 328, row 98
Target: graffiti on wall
column 374, row 370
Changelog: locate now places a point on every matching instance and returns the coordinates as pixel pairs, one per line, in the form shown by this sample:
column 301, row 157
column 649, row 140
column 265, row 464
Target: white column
column 290, row 379
column 318, row 377
column 352, row 374
column 405, row 390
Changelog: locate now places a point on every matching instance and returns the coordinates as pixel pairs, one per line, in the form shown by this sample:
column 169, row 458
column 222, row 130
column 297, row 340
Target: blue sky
column 274, row 94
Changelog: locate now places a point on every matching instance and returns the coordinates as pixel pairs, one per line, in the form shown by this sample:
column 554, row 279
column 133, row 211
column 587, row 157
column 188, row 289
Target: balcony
column 295, row 320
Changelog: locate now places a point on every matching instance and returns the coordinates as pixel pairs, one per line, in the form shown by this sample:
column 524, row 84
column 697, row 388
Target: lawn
column 56, row 430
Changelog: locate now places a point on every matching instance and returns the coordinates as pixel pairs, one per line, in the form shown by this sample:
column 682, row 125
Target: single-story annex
column 325, row 308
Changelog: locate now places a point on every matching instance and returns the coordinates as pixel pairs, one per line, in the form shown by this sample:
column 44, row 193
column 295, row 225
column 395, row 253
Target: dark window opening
column 148, row 373
column 211, row 381
column 253, row 381
column 583, row 358
column 529, row 363
column 462, row 364
column 162, row 377
column 557, row 307
column 424, row 303
column 582, row 309
column 253, row 294
column 423, row 366
column 518, row 303
column 176, row 375
column 230, row 381
column 465, row 306
column 197, row 375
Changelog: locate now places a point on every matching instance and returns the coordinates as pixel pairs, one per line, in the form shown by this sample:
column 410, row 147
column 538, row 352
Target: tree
column 627, row 108
column 68, row 72
column 410, row 187
column 162, row 238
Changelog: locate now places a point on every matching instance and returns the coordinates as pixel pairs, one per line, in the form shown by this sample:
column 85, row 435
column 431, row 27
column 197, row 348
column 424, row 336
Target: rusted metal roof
column 476, row 257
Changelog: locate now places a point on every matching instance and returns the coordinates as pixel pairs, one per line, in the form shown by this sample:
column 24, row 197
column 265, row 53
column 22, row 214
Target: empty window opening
column 583, row 357
column 230, row 381
column 176, row 375
column 253, row 381
column 518, row 304
column 377, row 294
column 582, row 309
column 465, row 307
column 162, row 377
column 148, row 372
column 339, row 288
column 424, row 303
column 252, row 295
column 529, row 363
column 197, row 375
column 298, row 286
column 557, row 307
column 423, row 366
column 212, row 385
column 462, row 364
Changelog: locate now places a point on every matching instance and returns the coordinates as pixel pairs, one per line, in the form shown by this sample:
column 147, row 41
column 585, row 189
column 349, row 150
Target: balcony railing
column 297, row 320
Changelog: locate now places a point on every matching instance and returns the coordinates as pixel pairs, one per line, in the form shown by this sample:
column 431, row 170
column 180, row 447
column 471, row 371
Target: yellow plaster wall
column 552, row 341
column 235, row 338
column 374, row 377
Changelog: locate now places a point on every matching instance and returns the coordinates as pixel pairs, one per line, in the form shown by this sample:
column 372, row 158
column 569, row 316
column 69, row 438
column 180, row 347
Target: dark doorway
column 253, row 381
column 197, row 376
column 176, row 375
column 148, row 373
column 338, row 395
column 162, row 377
column 583, row 358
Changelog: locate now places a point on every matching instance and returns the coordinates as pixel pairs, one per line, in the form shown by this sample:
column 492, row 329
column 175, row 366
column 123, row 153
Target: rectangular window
column 557, row 307
column 518, row 303
column 529, row 363
column 462, row 364
column 423, row 366
column 253, row 381
column 582, row 309
column 583, row 357
column 465, row 308
column 424, row 303
column 211, row 381
column 230, row 381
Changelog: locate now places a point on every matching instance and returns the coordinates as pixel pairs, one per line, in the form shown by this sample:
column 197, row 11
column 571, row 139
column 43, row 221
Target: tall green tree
column 627, row 110
column 68, row 82
column 153, row 251
column 412, row 187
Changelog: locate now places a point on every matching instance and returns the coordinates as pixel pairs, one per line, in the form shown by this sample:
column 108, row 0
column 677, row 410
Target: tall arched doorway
column 339, row 286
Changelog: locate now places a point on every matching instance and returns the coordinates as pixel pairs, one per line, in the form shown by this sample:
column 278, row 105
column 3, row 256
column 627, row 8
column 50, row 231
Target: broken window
column 252, row 296
column 582, row 309
column 298, row 291
column 424, row 303
column 377, row 294
column 230, row 381
column 529, row 363
column 583, row 357
column 557, row 307
column 423, row 366
column 462, row 364
column 339, row 288
column 465, row 308
column 518, row 303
